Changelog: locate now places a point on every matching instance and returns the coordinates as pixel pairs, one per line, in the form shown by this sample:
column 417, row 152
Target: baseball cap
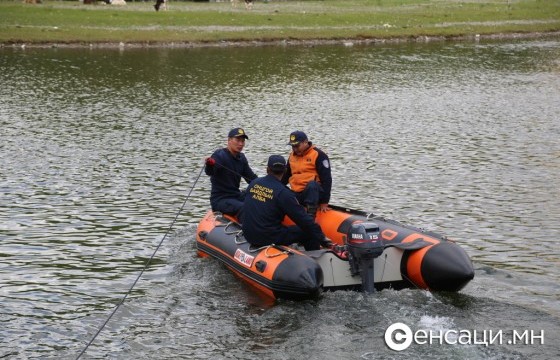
column 237, row 132
column 276, row 162
column 296, row 137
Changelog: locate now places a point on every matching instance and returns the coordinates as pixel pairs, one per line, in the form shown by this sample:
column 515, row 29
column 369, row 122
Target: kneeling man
column 267, row 202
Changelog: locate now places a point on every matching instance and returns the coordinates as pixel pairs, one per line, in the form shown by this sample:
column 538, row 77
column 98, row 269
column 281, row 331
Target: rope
column 144, row 269
column 268, row 247
column 283, row 251
column 384, row 265
column 403, row 275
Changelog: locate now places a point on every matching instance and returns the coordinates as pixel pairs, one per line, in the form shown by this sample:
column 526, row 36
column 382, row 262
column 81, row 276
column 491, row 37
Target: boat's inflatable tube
column 277, row 271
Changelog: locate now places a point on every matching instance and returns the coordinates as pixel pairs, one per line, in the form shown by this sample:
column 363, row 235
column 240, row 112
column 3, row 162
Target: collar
column 311, row 146
column 235, row 156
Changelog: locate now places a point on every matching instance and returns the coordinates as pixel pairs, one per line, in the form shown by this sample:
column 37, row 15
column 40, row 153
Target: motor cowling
column 364, row 245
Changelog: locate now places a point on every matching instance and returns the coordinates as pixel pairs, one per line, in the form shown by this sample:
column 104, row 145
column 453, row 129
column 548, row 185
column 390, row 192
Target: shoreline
column 281, row 42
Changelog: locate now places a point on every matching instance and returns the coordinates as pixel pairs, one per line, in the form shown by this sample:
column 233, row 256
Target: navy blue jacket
column 225, row 175
column 266, row 203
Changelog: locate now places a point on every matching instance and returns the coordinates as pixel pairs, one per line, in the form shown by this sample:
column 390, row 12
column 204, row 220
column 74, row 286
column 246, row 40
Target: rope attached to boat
column 239, row 239
column 254, row 250
column 384, row 265
column 403, row 275
column 145, row 267
column 283, row 251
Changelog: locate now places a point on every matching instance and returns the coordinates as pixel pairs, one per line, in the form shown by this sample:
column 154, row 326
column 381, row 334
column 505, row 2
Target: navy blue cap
column 238, row 132
column 296, row 137
column 276, row 162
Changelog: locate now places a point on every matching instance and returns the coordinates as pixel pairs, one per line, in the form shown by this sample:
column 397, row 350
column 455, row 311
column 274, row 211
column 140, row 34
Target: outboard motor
column 364, row 245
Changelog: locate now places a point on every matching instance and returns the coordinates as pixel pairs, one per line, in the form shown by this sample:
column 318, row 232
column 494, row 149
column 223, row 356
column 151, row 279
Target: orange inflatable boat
column 371, row 253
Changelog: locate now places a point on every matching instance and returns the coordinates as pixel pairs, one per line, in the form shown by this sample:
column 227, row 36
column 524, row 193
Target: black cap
column 238, row 132
column 296, row 137
column 276, row 162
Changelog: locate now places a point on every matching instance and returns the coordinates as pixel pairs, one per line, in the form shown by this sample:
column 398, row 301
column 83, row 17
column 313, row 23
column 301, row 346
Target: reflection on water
column 99, row 149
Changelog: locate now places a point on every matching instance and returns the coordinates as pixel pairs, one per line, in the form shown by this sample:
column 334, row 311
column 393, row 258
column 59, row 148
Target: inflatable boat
column 369, row 253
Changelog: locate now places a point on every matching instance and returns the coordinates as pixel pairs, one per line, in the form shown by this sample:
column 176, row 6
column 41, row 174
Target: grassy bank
column 194, row 22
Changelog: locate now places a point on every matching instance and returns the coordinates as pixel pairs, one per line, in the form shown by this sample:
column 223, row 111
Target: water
column 100, row 147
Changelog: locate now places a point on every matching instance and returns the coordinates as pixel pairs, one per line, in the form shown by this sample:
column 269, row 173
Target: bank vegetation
column 187, row 22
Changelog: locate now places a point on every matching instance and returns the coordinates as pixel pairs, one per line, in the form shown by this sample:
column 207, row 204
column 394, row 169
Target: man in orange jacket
column 308, row 173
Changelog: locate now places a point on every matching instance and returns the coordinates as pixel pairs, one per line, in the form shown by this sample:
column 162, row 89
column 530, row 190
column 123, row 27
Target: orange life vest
column 303, row 169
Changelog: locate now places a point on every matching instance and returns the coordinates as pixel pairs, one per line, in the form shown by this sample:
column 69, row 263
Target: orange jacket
column 312, row 165
column 303, row 169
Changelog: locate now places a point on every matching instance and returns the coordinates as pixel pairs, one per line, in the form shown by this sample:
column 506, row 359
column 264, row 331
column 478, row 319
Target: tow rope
column 144, row 269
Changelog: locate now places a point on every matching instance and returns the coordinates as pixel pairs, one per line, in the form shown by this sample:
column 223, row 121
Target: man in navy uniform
column 267, row 202
column 226, row 167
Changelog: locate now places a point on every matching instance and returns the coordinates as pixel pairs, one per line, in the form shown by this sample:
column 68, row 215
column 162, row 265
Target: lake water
column 99, row 149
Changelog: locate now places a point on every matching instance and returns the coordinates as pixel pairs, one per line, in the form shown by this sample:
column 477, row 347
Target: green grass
column 73, row 22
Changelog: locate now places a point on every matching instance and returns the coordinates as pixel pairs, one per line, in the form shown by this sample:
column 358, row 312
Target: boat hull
column 410, row 258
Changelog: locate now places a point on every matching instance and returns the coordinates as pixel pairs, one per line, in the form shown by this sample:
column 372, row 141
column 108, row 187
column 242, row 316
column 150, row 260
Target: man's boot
column 312, row 210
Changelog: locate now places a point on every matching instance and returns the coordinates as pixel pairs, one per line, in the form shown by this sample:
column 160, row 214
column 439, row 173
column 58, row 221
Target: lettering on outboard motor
column 364, row 245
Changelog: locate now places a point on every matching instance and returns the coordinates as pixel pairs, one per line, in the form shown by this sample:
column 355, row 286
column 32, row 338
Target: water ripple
column 99, row 150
